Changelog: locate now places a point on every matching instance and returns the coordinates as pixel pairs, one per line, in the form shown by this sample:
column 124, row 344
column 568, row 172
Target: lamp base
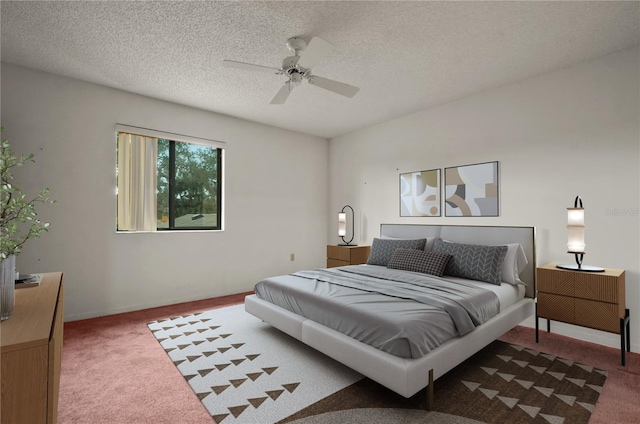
column 584, row 268
column 346, row 244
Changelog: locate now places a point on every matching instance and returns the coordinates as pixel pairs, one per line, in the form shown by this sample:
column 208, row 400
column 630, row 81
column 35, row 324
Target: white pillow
column 428, row 246
column 514, row 262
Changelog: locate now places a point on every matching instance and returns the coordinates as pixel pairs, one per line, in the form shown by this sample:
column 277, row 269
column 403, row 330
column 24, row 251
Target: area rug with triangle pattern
column 509, row 383
column 245, row 371
column 503, row 383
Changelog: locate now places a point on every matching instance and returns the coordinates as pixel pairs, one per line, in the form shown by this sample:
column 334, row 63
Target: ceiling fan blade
column 282, row 94
column 250, row 67
column 334, row 86
column 317, row 50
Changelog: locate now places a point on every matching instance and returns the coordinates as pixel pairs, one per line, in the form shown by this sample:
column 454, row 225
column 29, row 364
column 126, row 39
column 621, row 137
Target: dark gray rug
column 502, row 383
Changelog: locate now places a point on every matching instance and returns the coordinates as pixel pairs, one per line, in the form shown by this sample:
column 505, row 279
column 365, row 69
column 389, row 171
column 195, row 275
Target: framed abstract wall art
column 472, row 190
column 420, row 193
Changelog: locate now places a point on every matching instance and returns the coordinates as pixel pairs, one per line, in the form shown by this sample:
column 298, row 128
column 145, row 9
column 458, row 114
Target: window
column 168, row 182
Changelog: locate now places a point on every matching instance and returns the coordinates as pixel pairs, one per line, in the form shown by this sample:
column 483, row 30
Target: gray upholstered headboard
column 472, row 234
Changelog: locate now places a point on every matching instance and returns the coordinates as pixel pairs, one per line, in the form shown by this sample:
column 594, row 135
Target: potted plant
column 18, row 222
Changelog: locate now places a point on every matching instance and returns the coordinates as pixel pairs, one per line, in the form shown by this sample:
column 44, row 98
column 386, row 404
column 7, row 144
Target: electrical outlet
column 292, row 257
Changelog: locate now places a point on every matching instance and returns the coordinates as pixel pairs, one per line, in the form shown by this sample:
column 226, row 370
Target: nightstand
column 346, row 255
column 589, row 299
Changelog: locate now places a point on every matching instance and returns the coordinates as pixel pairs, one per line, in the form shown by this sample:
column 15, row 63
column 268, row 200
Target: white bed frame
column 408, row 376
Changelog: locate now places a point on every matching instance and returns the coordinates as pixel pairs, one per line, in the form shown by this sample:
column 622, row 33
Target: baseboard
column 582, row 333
column 143, row 306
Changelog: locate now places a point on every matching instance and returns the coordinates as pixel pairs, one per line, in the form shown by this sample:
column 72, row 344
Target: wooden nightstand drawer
column 605, row 286
column 587, row 313
column 346, row 255
column 332, row 263
column 598, row 315
column 557, row 308
column 339, row 253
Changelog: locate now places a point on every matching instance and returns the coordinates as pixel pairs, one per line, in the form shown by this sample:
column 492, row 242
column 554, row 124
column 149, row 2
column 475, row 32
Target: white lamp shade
column 575, row 242
column 575, row 224
column 342, row 224
column 575, row 217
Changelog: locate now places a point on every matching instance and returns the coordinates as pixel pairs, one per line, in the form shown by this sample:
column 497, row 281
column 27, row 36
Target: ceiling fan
column 298, row 67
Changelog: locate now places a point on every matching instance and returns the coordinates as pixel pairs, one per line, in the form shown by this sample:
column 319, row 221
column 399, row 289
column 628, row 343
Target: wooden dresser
column 31, row 343
column 346, row 255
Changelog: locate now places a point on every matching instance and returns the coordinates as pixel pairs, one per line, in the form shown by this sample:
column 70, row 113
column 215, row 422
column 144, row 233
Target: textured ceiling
column 404, row 56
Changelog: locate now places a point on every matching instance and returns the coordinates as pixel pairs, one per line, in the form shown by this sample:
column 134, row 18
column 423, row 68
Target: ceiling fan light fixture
column 296, row 78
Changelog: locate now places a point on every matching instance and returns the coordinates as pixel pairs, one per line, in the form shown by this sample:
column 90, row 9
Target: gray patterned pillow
column 473, row 261
column 419, row 261
column 382, row 249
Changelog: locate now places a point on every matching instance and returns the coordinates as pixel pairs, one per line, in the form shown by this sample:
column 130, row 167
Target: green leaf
column 15, row 206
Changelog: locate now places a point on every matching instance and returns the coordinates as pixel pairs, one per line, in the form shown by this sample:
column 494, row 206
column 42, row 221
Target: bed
column 406, row 367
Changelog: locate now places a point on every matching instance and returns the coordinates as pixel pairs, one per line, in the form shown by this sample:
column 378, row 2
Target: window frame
column 172, row 138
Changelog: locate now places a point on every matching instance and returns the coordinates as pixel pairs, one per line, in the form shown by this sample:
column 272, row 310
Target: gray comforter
column 402, row 313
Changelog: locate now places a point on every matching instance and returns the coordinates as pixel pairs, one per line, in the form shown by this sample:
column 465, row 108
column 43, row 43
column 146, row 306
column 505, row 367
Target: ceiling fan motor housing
column 290, row 64
column 293, row 71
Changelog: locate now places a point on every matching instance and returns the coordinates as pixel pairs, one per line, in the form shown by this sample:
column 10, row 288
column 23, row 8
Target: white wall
column 574, row 131
column 276, row 187
column 571, row 132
